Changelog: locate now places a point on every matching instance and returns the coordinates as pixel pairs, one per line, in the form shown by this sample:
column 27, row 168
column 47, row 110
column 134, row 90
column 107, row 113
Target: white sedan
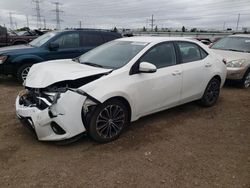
column 103, row 90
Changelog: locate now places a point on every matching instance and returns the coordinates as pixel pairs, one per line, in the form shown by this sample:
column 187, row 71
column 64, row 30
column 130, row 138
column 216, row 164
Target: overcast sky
column 130, row 13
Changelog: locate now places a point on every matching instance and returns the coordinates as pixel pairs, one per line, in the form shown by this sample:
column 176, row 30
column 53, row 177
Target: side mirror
column 146, row 67
column 53, row 46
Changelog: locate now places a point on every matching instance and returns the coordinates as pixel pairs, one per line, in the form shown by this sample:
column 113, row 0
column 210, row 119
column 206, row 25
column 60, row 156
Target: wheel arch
column 125, row 102
column 26, row 59
column 217, row 77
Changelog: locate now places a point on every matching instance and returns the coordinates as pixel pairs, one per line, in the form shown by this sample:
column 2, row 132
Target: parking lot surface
column 187, row 146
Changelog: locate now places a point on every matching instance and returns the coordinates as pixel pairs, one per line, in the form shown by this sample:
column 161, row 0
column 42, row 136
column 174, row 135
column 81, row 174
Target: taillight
column 224, row 61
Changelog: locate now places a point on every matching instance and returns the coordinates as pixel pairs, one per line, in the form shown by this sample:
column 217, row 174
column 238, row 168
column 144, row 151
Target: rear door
column 195, row 70
column 90, row 40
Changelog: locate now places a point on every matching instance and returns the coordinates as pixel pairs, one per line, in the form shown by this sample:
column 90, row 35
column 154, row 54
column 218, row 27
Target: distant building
column 246, row 29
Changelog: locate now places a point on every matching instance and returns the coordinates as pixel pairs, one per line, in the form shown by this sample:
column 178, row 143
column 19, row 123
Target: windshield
column 241, row 44
column 42, row 39
column 113, row 55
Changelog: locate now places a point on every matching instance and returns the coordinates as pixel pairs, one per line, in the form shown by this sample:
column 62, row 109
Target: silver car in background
column 236, row 51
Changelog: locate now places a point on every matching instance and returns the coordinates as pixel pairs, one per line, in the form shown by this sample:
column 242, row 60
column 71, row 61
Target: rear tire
column 108, row 121
column 22, row 72
column 211, row 93
column 245, row 82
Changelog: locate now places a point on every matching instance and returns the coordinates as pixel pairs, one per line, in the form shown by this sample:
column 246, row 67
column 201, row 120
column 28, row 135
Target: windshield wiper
column 234, row 50
column 92, row 64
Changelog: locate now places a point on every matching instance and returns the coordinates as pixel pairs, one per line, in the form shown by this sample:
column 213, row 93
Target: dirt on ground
column 187, row 146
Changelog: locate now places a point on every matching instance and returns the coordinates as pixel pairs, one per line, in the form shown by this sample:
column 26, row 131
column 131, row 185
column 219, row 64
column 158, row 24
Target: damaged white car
column 103, row 90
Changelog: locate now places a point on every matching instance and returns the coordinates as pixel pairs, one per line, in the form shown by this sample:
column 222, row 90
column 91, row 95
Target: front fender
column 108, row 95
column 27, row 59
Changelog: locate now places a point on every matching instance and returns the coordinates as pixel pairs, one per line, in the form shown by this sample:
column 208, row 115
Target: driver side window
column 70, row 40
column 161, row 55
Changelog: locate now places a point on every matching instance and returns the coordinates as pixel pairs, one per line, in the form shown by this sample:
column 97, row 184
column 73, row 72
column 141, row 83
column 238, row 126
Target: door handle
column 176, row 73
column 208, row 65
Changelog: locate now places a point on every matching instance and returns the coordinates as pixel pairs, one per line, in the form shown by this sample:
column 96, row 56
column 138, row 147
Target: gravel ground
column 187, row 146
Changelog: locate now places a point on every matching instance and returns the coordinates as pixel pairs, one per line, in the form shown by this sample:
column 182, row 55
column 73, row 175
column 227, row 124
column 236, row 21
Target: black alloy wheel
column 108, row 121
column 211, row 93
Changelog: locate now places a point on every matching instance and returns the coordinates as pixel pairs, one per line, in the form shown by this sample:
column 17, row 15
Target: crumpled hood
column 47, row 73
column 231, row 55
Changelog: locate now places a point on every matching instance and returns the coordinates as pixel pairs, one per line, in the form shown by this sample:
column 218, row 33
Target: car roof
column 88, row 30
column 241, row 35
column 152, row 39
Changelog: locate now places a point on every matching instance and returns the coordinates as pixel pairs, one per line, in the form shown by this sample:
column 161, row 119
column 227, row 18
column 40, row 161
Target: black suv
column 17, row 60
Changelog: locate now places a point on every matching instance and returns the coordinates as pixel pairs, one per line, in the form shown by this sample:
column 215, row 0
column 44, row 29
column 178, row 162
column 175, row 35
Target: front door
column 162, row 89
column 69, row 47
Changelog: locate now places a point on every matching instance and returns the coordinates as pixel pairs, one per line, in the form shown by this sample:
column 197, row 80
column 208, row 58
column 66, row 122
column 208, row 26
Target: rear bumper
column 66, row 124
column 236, row 73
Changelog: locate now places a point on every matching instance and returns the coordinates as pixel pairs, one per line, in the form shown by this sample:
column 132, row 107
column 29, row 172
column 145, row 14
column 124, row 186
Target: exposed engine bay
column 44, row 97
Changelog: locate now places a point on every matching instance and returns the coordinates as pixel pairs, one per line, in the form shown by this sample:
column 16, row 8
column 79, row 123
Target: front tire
column 211, row 93
column 108, row 121
column 22, row 72
column 245, row 82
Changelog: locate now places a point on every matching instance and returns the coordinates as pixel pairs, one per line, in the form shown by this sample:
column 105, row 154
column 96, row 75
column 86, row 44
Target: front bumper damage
column 60, row 120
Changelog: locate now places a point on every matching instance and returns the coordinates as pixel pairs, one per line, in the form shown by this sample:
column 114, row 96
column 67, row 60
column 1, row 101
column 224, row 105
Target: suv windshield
column 240, row 44
column 42, row 39
column 113, row 55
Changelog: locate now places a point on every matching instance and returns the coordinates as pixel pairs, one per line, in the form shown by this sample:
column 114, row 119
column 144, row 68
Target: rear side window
column 203, row 54
column 161, row 55
column 191, row 52
column 91, row 39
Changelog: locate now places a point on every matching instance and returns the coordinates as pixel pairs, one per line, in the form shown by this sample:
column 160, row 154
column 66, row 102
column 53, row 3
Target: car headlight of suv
column 236, row 63
column 3, row 58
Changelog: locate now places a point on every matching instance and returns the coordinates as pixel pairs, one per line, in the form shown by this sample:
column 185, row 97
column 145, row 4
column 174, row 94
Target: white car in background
column 236, row 51
column 116, row 83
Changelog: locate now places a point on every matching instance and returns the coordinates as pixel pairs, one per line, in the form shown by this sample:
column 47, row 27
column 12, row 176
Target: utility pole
column 80, row 24
column 38, row 14
column 27, row 20
column 238, row 21
column 11, row 20
column 58, row 11
column 224, row 24
column 44, row 23
column 152, row 22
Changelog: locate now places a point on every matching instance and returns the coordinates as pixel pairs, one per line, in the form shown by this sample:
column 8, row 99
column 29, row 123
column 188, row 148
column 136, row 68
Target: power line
column 152, row 22
column 44, row 23
column 27, row 21
column 11, row 20
column 38, row 14
column 58, row 11
column 238, row 20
